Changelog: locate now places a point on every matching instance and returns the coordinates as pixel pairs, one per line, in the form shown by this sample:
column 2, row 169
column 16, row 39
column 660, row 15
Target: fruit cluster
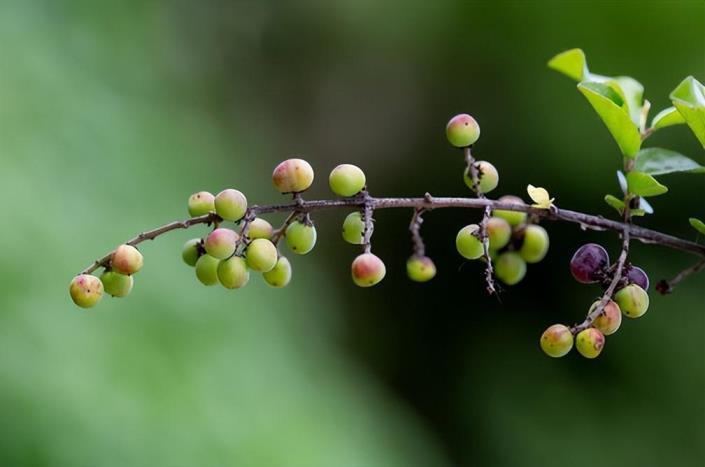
column 591, row 265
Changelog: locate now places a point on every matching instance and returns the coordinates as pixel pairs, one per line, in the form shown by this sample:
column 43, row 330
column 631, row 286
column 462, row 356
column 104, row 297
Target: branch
column 665, row 287
column 415, row 229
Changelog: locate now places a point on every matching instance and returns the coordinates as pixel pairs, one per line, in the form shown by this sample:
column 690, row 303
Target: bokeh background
column 112, row 113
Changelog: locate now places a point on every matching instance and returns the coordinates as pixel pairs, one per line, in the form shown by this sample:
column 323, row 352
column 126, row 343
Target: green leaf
column 659, row 161
column 571, row 63
column 667, row 117
column 697, row 224
column 622, row 181
column 609, row 106
column 615, row 202
column 689, row 99
column 637, row 212
column 643, row 184
column 633, row 94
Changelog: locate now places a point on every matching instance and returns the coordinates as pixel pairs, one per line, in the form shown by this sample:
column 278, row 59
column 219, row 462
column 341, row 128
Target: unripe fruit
column 462, row 131
column 201, row 203
column 280, row 275
column 233, row 273
column 367, row 270
column 207, row 270
column 261, row 255
column 347, row 180
column 609, row 320
column 535, row 245
column 86, row 290
column 557, row 340
column 191, row 251
column 514, row 218
column 221, row 243
column 468, row 245
column 353, row 228
column 259, row 228
column 632, row 300
column 116, row 284
column 588, row 263
column 637, row 276
column 499, row 232
column 127, row 260
column 510, row 268
column 487, row 175
column 420, row 268
column 292, row 176
column 589, row 342
column 230, row 204
column 300, row 238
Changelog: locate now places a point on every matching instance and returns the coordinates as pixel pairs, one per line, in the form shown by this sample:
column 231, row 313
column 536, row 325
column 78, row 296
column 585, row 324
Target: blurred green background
column 112, row 113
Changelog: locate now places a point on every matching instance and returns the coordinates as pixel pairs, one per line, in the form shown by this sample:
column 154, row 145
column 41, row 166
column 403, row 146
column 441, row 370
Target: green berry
column 557, row 340
column 86, row 290
column 233, row 273
column 514, row 218
column 632, row 300
column 201, row 203
column 292, row 176
column 499, row 233
column 259, row 228
column 347, row 180
column 230, row 205
column 589, row 342
column 300, row 237
column 609, row 320
column 221, row 243
column 487, row 175
column 127, row 260
column 207, row 269
column 510, row 268
column 353, row 228
column 535, row 244
column 116, row 284
column 462, row 131
column 280, row 275
column 468, row 244
column 420, row 268
column 261, row 255
column 191, row 251
column 367, row 270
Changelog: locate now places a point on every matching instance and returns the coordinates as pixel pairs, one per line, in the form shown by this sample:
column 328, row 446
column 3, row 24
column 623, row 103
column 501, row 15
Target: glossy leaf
column 659, row 161
column 637, row 212
column 645, row 206
column 571, row 63
column 697, row 224
column 689, row 99
column 667, row 117
column 643, row 184
column 622, row 181
column 633, row 95
column 615, row 202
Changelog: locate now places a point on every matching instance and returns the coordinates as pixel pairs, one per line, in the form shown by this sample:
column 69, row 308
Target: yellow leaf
column 540, row 197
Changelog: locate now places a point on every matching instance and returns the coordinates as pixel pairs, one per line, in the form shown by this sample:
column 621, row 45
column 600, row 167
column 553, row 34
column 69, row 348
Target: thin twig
column 415, row 229
column 665, row 287
column 279, row 233
column 369, row 222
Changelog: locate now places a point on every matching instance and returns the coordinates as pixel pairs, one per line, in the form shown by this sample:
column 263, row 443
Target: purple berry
column 637, row 276
column 588, row 263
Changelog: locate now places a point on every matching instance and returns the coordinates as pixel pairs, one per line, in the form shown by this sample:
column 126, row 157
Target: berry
column 259, row 228
column 207, row 270
column 462, row 131
column 191, row 251
column 233, row 273
column 353, row 228
column 535, row 244
column 510, row 268
column 86, row 290
column 230, row 204
column 292, row 176
column 514, row 218
column 468, row 245
column 632, row 300
column 367, row 270
column 261, row 255
column 637, row 276
column 347, row 180
column 609, row 320
column 420, row 268
column 487, row 175
column 556, row 341
column 280, row 275
column 499, row 233
column 300, row 237
column 589, row 263
column 589, row 342
column 201, row 203
column 221, row 243
column 127, row 260
column 116, row 284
